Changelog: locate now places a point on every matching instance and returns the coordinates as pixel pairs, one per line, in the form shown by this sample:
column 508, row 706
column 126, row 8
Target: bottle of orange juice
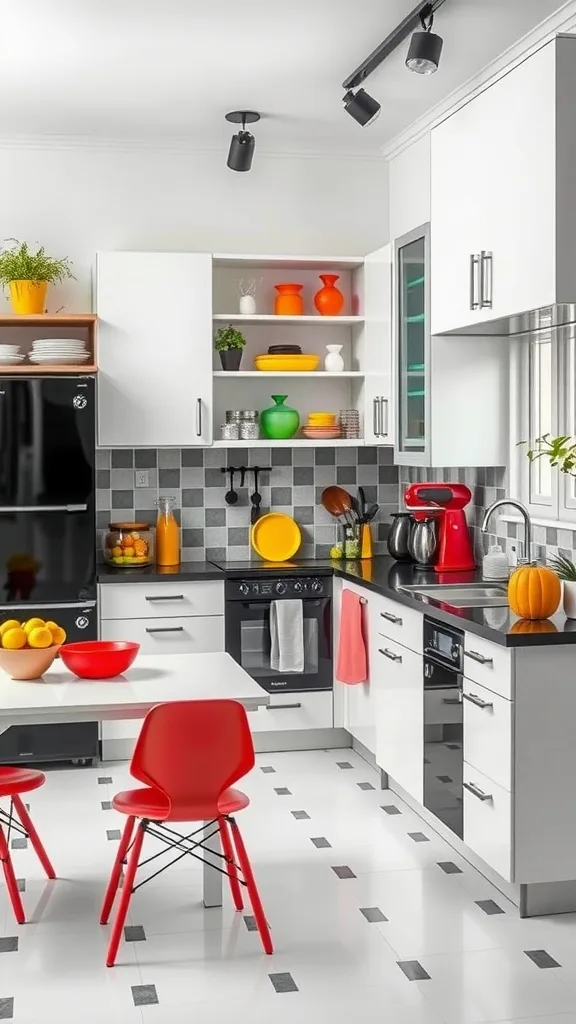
column 167, row 534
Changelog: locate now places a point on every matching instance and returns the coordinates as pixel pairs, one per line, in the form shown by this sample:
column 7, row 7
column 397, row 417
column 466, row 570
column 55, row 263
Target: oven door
column 443, row 744
column 248, row 641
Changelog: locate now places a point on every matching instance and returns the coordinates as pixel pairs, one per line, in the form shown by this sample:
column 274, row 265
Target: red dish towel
column 352, row 662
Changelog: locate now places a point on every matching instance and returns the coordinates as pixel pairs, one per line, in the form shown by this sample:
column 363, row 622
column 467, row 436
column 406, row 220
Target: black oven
column 443, row 723
column 248, row 629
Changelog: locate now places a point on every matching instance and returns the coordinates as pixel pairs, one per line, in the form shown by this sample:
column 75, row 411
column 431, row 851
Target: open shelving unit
column 24, row 330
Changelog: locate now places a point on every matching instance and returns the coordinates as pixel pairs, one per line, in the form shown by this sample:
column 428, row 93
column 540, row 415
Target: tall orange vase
column 329, row 300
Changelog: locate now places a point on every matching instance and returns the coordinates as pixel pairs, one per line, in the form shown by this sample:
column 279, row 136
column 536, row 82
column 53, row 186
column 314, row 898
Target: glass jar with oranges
column 129, row 544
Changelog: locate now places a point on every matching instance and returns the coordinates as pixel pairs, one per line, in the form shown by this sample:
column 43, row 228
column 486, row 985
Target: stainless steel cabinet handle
column 474, row 281
column 451, row 700
column 164, row 629
column 165, row 597
column 43, row 508
column 391, row 618
column 282, row 707
column 384, row 418
column 479, row 793
column 390, row 654
column 486, row 279
column 478, row 657
column 199, row 418
column 375, row 417
column 474, row 699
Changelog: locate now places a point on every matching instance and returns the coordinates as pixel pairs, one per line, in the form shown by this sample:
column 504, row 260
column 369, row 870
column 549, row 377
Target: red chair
column 189, row 754
column 13, row 782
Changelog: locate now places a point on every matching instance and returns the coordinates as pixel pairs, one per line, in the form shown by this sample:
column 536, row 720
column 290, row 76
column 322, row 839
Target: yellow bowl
column 276, row 537
column 287, row 364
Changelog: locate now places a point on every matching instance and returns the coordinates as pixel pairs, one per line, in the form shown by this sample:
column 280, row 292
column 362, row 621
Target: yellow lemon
column 40, row 637
column 9, row 624
column 58, row 634
column 13, row 639
column 32, row 624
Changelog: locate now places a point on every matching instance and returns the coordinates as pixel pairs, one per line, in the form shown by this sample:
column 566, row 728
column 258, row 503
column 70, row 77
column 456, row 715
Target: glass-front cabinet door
column 412, row 327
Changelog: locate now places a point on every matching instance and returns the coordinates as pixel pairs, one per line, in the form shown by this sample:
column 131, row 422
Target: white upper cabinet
column 503, row 237
column 379, row 407
column 154, row 349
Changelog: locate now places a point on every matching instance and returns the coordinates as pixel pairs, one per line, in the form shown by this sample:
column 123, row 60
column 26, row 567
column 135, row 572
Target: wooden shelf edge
column 49, row 319
column 31, row 370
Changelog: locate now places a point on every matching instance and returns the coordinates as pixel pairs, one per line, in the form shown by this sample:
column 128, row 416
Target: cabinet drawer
column 488, row 821
column 294, row 711
column 488, row 664
column 148, row 600
column 398, row 622
column 202, row 634
column 488, row 733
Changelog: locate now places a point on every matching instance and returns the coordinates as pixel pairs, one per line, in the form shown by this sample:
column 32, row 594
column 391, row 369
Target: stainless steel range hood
column 561, row 314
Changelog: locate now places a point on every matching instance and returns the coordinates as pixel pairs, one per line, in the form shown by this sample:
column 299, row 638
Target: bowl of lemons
column 27, row 649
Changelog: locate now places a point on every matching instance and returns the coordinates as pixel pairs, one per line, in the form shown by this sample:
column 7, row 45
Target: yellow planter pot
column 28, row 296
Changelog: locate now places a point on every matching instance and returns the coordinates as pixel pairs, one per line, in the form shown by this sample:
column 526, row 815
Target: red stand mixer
column 455, row 553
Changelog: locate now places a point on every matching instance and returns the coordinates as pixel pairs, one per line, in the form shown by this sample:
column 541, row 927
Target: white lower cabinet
column 294, row 711
column 397, row 674
column 199, row 634
column 488, row 732
column 488, row 821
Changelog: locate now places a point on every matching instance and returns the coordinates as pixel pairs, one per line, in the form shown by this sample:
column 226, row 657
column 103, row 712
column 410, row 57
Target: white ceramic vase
column 247, row 305
column 333, row 362
column 569, row 599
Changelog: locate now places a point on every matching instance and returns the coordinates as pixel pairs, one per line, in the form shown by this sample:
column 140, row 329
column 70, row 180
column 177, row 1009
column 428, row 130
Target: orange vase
column 288, row 302
column 329, row 300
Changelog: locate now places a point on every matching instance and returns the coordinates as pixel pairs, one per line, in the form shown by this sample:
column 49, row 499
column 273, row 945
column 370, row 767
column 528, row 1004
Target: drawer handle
column 390, row 654
column 282, row 707
column 478, row 657
column 164, row 629
column 477, row 792
column 166, row 597
column 474, row 699
column 391, row 618
column 451, row 700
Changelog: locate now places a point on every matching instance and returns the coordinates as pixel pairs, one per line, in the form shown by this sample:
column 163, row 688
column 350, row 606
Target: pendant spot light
column 243, row 144
column 423, row 55
column 361, row 106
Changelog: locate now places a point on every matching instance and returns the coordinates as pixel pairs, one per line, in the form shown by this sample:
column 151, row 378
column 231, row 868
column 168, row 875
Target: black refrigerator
column 48, row 533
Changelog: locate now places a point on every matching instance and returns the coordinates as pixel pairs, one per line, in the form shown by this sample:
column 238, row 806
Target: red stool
column 188, row 754
column 13, row 782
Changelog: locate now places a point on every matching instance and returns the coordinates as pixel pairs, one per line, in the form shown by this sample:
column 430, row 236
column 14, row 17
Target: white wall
column 76, row 199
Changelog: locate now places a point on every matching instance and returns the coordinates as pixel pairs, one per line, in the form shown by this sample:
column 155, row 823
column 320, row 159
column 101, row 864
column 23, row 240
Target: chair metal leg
column 255, row 900
column 117, row 870
column 228, row 851
column 11, row 883
column 126, row 895
column 34, row 837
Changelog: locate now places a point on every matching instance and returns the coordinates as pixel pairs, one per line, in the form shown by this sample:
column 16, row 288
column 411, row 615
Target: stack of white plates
column 10, row 355
column 54, row 351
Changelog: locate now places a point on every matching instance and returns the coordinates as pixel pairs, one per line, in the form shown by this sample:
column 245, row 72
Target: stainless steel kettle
column 424, row 542
column 399, row 536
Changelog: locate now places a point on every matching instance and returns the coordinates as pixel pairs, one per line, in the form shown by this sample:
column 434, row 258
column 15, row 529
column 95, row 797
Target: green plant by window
column 20, row 263
column 229, row 338
column 560, row 452
column 563, row 567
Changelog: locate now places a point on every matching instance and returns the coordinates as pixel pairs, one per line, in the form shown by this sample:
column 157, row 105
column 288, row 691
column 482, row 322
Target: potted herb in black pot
column 229, row 343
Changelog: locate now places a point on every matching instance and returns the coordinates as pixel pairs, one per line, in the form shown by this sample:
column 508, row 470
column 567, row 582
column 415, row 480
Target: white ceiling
column 166, row 69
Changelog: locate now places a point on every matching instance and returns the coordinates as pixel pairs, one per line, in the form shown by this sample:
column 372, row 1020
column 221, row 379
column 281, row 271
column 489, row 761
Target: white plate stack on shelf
column 58, row 351
column 10, row 355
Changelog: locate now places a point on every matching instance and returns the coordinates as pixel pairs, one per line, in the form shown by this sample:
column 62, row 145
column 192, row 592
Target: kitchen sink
column 463, row 595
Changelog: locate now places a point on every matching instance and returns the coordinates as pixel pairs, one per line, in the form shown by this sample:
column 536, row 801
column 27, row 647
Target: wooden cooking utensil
column 338, row 503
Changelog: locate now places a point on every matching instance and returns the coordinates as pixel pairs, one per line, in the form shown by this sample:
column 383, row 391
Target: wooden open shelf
column 23, row 330
column 41, row 369
column 48, row 319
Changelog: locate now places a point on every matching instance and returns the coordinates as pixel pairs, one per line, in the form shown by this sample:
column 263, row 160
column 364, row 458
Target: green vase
column 279, row 422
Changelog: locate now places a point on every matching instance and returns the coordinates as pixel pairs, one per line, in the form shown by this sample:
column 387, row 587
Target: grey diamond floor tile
column 418, row 837
column 373, row 914
column 344, row 764
column 6, row 1008
column 250, row 923
column 413, row 970
column 541, row 958
column 19, row 844
column 343, row 871
column 365, row 785
column 134, row 933
column 106, row 805
column 21, row 883
column 300, row 815
column 113, row 833
column 489, row 907
column 144, row 995
column 9, row 944
column 321, row 843
column 283, row 982
column 268, row 769
column 444, row 778
column 282, row 791
column 449, row 868
column 105, row 780
column 391, row 809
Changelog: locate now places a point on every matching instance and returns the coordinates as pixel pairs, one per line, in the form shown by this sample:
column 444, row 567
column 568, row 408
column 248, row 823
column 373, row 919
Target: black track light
column 361, row 106
column 425, row 48
column 242, row 145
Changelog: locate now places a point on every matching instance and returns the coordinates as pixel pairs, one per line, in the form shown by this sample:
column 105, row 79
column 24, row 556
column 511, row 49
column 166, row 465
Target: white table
column 59, row 697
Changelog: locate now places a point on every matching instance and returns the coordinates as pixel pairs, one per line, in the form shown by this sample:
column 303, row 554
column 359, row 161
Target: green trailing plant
column 20, row 263
column 560, row 452
column 229, row 338
column 563, row 567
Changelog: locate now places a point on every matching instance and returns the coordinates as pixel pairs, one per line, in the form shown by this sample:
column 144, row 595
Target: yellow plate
column 287, row 364
column 276, row 537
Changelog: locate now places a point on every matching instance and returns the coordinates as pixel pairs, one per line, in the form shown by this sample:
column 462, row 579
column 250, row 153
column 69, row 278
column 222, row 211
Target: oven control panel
column 273, row 589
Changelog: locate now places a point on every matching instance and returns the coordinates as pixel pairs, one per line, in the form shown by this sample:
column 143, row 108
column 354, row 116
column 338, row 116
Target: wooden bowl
column 28, row 663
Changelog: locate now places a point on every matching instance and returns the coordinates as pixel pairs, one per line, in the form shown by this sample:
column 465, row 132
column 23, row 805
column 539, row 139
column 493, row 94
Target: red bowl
column 99, row 659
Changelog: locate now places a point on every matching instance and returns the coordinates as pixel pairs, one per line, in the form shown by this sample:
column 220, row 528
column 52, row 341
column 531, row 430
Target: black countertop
column 385, row 576
column 186, row 572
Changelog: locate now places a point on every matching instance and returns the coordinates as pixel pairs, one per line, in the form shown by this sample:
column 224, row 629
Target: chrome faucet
column 523, row 512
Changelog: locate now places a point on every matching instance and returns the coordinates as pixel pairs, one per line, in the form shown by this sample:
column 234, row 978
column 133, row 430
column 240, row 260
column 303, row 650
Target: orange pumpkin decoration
column 534, row 592
column 534, row 626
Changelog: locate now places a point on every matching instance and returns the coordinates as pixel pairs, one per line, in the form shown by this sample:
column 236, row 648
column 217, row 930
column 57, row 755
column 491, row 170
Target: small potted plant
column 229, row 343
column 28, row 273
column 566, row 571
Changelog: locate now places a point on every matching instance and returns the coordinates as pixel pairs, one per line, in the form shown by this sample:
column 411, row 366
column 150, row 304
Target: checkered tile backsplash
column 211, row 529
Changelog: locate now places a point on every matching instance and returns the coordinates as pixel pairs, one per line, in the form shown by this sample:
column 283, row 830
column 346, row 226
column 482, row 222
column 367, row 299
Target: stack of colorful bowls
column 321, row 426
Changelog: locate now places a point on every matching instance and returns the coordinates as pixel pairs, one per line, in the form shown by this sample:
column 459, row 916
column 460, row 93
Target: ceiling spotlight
column 361, row 106
column 242, row 145
column 425, row 48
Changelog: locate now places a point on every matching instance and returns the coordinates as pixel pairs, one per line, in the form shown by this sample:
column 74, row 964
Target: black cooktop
column 254, row 566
